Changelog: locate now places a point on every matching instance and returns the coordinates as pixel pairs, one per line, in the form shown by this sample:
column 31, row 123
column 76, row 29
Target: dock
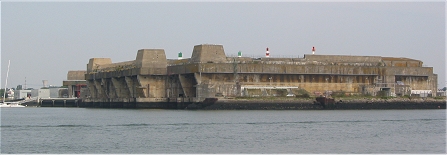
column 59, row 102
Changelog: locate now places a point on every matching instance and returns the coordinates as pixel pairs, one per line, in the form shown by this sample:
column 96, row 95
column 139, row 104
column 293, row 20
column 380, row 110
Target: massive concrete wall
column 143, row 77
column 209, row 73
column 313, row 83
column 299, row 69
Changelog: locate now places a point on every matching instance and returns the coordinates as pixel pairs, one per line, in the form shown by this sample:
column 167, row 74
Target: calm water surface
column 79, row 130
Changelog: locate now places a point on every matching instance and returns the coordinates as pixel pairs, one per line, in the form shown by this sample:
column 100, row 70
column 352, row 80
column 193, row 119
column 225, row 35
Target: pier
column 59, row 102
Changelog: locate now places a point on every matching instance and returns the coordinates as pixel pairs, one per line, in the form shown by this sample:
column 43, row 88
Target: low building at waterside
column 75, row 83
column 151, row 79
column 51, row 92
column 40, row 93
column 441, row 92
column 58, row 92
column 22, row 94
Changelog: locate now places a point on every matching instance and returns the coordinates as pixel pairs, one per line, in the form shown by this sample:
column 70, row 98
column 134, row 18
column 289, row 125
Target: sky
column 45, row 40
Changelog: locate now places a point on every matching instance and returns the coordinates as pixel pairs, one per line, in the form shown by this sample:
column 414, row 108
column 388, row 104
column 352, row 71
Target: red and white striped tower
column 267, row 54
column 313, row 50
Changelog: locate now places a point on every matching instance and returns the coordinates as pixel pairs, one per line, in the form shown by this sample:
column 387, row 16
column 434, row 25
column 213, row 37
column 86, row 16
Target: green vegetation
column 2, row 91
column 387, row 97
column 339, row 94
column 382, row 93
column 281, row 92
column 301, row 93
column 119, row 68
column 302, row 96
column 439, row 97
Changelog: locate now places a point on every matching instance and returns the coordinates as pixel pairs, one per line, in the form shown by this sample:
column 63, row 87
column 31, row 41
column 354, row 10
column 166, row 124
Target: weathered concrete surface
column 76, row 75
column 209, row 73
column 207, row 53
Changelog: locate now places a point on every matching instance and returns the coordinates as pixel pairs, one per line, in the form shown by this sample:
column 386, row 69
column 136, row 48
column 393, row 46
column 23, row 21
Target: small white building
column 9, row 94
column 57, row 92
column 40, row 93
column 19, row 94
column 441, row 92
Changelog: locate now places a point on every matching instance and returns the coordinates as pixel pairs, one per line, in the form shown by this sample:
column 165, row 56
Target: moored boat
column 9, row 104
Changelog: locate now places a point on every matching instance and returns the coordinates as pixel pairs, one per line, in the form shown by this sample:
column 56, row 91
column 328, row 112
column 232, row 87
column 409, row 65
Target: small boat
column 9, row 104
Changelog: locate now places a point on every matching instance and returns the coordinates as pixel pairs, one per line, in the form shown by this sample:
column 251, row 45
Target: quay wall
column 135, row 105
column 57, row 102
column 311, row 104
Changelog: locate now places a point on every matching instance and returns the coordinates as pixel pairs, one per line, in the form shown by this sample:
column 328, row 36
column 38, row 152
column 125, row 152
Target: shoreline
column 312, row 104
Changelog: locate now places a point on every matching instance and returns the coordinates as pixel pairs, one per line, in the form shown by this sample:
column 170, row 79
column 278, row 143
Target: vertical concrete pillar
column 173, row 86
column 99, row 88
column 200, row 93
column 146, row 84
column 131, row 85
column 70, row 91
column 105, row 88
column 390, row 80
column 120, row 87
column 111, row 87
column 433, row 84
column 198, row 76
column 187, row 85
column 92, row 89
column 256, row 78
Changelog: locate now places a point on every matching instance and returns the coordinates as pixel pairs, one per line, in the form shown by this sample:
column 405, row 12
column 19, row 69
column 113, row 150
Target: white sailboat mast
column 6, row 82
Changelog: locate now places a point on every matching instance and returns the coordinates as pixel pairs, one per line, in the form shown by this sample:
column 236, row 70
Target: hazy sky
column 44, row 40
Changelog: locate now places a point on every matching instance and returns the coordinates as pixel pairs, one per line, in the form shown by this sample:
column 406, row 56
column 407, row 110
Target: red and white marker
column 267, row 54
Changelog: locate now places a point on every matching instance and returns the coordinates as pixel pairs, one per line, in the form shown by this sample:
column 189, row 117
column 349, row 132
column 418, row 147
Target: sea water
column 124, row 131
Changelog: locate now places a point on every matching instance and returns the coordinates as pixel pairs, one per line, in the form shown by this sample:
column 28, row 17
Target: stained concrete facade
column 75, row 82
column 209, row 73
